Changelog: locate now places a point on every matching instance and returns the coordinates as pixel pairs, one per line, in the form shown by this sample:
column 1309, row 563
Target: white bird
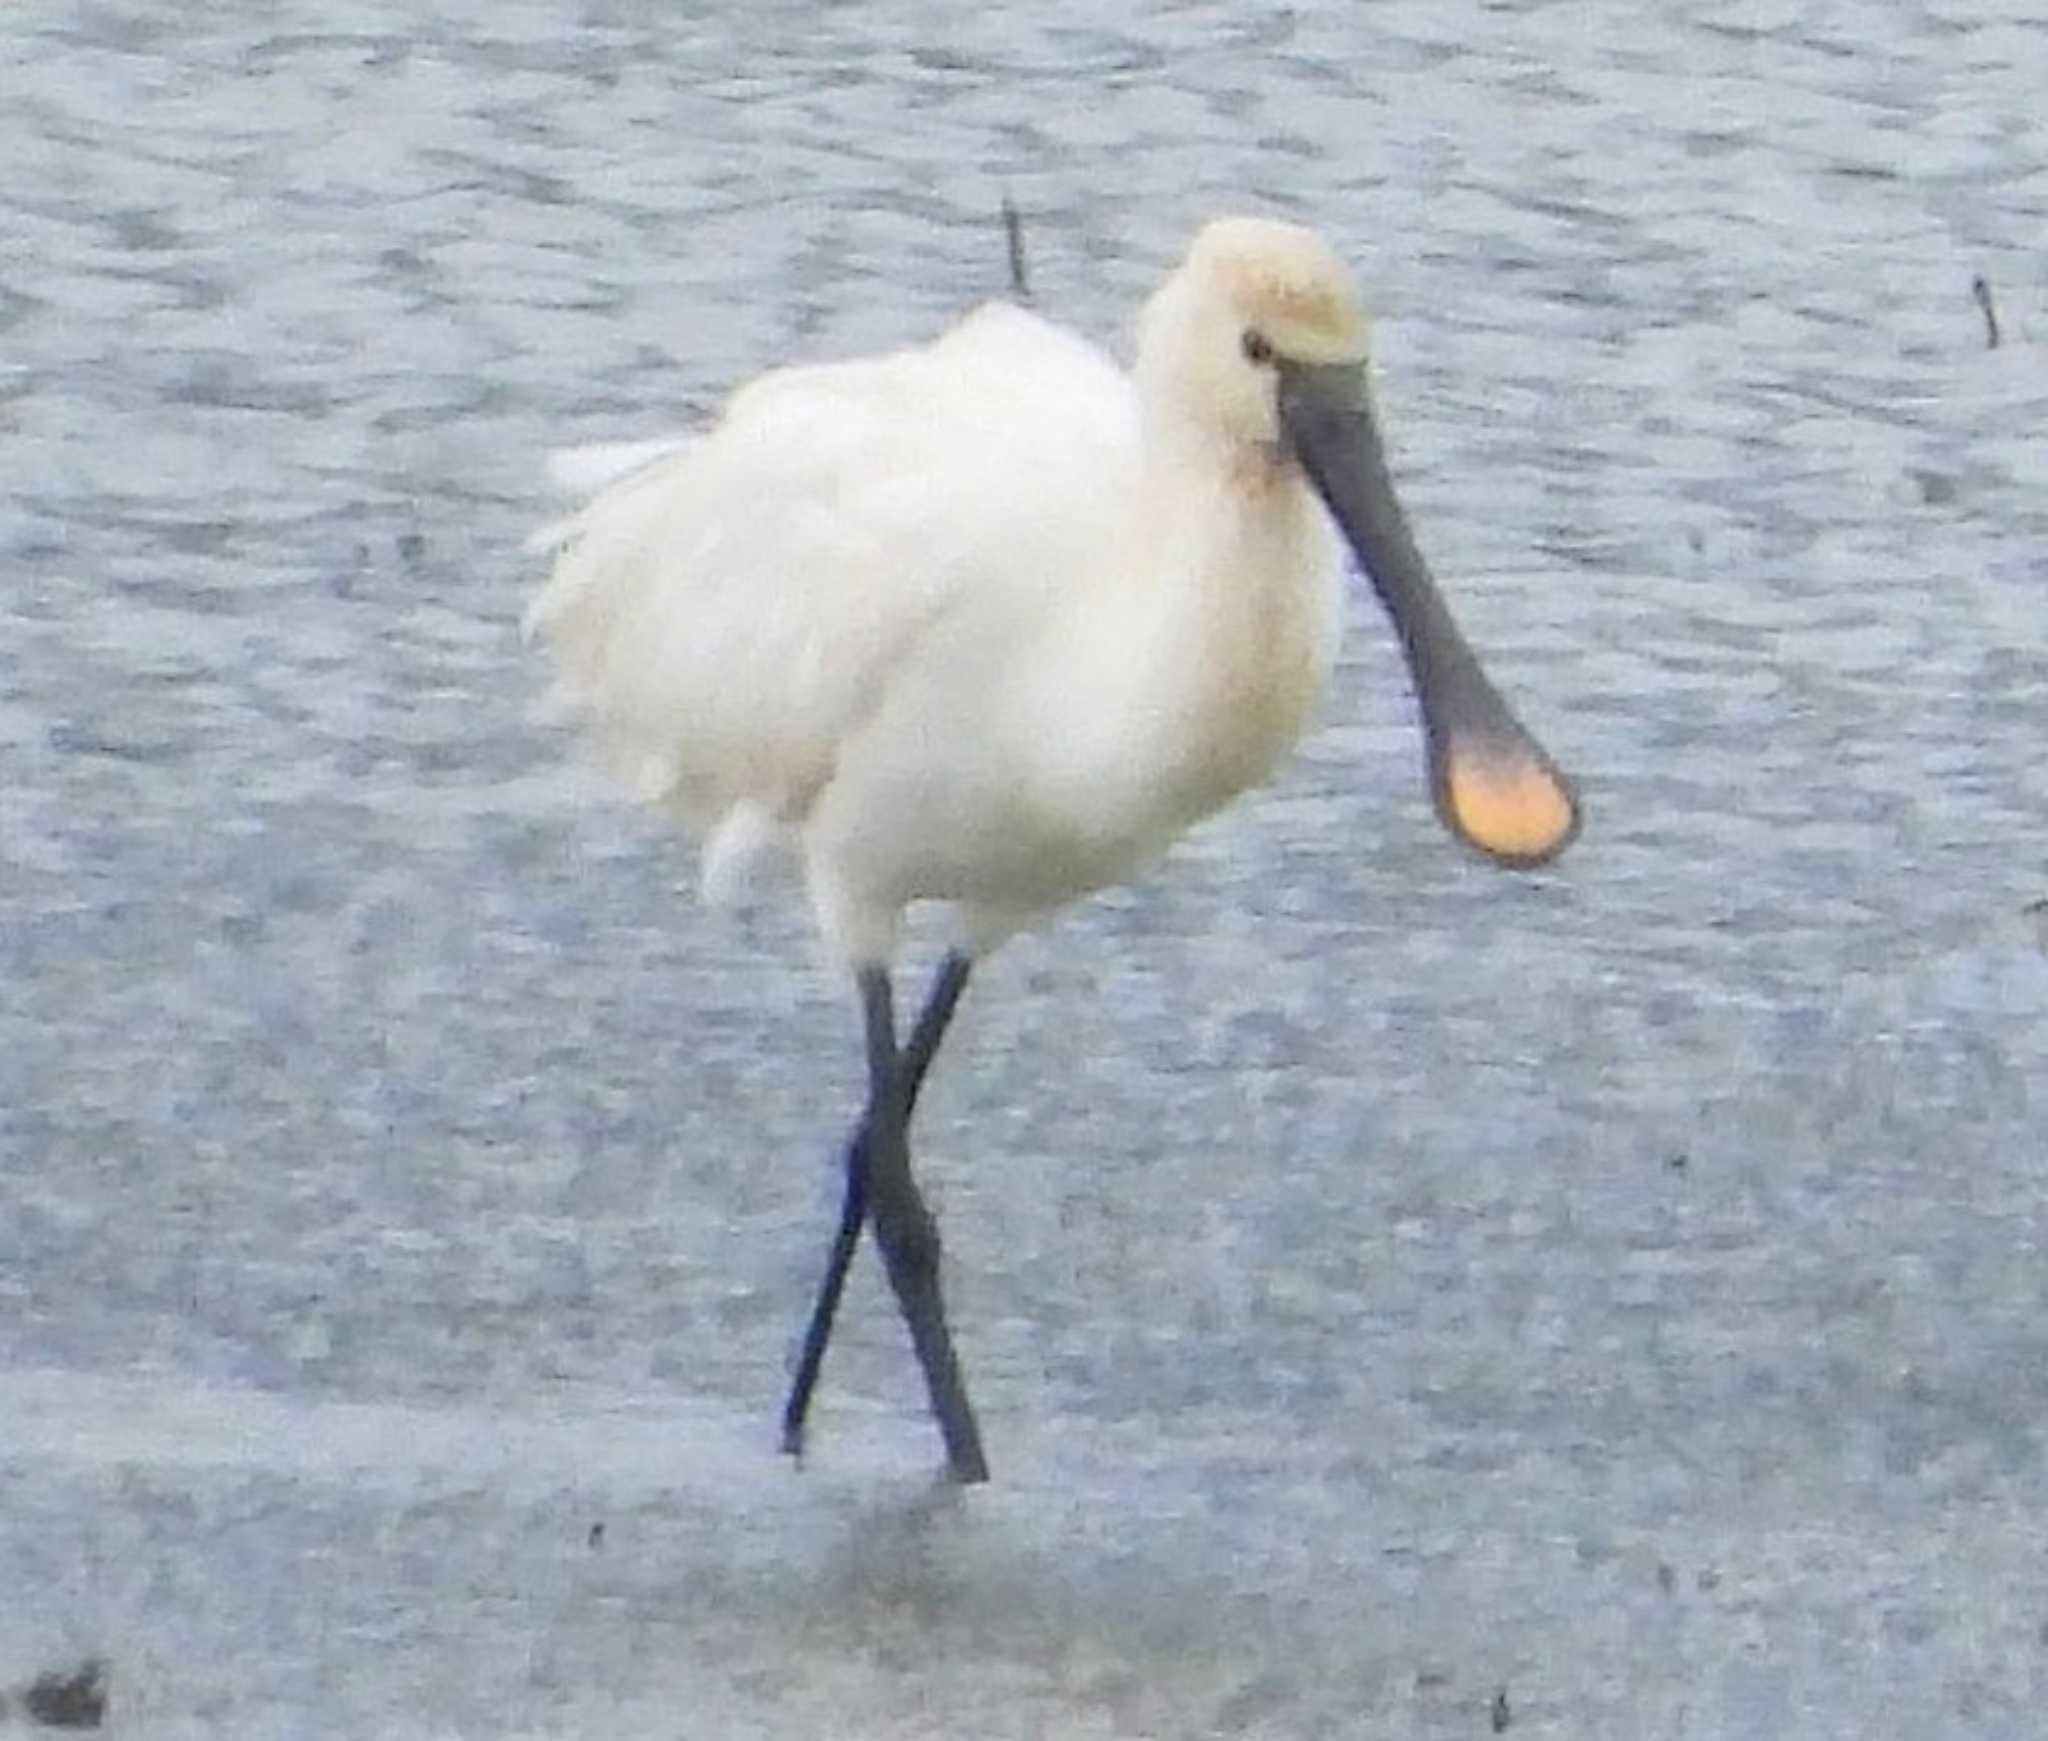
column 989, row 622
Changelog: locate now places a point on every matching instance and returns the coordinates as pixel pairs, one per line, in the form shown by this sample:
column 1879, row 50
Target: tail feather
column 583, row 471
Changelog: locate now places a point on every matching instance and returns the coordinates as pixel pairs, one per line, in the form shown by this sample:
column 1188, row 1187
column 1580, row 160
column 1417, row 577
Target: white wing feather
column 731, row 606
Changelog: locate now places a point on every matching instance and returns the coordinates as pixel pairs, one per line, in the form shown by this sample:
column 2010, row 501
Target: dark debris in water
column 2038, row 912
column 1937, row 489
column 68, row 1701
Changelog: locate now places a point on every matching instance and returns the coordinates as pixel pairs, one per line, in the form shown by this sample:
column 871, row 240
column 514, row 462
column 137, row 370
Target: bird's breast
column 1249, row 652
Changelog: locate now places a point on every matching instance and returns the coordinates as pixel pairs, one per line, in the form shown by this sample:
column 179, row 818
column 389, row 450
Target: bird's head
column 1258, row 345
column 1252, row 291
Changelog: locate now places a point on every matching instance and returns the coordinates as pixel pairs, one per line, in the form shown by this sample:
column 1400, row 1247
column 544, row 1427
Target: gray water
column 1399, row 1295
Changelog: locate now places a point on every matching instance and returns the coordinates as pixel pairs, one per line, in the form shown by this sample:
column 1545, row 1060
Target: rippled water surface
column 1401, row 1298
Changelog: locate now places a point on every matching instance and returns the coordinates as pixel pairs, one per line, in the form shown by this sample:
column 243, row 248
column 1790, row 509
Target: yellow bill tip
column 1514, row 808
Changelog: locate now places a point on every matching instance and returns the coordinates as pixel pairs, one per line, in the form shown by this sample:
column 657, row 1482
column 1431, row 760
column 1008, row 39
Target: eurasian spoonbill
column 989, row 622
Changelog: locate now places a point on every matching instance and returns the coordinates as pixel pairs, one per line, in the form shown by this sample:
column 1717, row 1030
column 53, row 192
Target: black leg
column 910, row 1244
column 909, row 1237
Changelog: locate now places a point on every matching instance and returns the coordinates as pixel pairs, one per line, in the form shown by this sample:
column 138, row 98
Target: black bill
column 1493, row 784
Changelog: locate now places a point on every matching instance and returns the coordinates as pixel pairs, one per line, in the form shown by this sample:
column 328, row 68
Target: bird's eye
column 1258, row 348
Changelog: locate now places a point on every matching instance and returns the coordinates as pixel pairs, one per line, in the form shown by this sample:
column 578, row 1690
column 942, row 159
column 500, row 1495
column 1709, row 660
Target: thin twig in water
column 1013, row 233
column 1980, row 287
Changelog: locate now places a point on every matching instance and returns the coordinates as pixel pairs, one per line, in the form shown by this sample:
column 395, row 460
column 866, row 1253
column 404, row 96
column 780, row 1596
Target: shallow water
column 1389, row 1286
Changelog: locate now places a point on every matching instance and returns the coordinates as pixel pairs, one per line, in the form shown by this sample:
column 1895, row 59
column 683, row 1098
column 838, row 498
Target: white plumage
column 948, row 617
column 990, row 621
